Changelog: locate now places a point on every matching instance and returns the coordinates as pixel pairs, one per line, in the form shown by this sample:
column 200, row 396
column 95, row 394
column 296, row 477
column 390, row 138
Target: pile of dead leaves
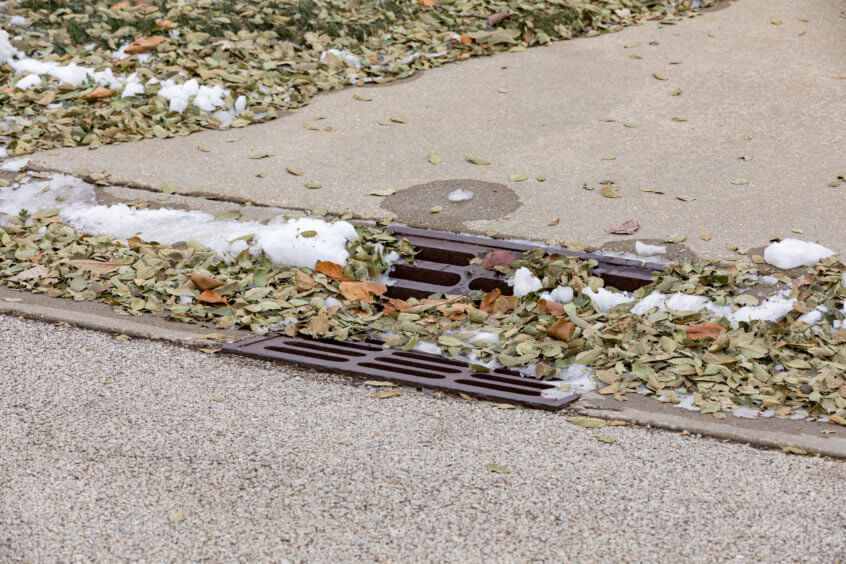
column 276, row 54
column 790, row 366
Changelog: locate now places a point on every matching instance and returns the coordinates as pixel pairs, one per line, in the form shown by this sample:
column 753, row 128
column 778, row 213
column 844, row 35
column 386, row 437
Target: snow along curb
column 831, row 446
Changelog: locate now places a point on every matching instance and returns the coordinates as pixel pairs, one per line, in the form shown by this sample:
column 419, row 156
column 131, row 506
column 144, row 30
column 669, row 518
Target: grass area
column 268, row 51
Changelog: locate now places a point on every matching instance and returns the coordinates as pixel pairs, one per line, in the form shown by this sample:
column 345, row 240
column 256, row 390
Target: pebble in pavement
column 101, row 441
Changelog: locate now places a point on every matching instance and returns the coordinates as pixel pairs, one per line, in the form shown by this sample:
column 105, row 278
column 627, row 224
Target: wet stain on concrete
column 490, row 201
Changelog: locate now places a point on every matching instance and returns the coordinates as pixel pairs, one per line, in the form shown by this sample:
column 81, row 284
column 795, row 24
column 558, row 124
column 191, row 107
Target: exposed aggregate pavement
column 101, row 441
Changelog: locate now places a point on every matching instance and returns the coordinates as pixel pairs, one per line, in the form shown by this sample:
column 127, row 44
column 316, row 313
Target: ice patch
column 332, row 301
column 15, row 165
column 576, row 379
column 603, row 300
column 791, row 253
column 649, row 250
column 459, row 195
column 525, row 282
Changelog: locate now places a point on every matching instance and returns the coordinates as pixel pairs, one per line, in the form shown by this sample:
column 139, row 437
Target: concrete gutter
column 771, row 433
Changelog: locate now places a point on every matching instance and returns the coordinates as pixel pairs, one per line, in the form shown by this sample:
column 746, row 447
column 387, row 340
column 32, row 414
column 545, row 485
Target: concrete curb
column 834, row 447
column 100, row 317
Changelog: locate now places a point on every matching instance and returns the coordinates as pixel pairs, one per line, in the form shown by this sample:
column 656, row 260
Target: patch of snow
column 813, row 317
column 525, row 282
column 561, row 294
column 28, row 81
column 603, row 300
column 774, row 308
column 750, row 413
column 281, row 240
column 771, row 280
column 7, row 50
column 342, row 54
column 791, row 253
column 331, row 302
column 15, row 165
column 576, row 379
column 459, row 195
column 649, row 250
column 17, row 21
column 428, row 347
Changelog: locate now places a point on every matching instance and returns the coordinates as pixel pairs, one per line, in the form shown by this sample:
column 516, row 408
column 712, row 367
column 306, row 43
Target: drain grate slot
column 408, row 367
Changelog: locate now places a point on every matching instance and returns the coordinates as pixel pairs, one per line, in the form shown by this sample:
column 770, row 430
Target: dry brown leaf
column 203, row 282
column 549, row 306
column 165, row 24
column 555, row 221
column 498, row 258
column 303, row 281
column 494, row 19
column 120, row 6
column 95, row 266
column 707, row 330
column 839, row 336
column 356, row 290
column 488, row 300
column 39, row 271
column 144, row 44
column 100, row 92
column 393, row 392
column 330, row 270
column 561, row 330
column 625, row 228
column 837, row 419
column 211, row 297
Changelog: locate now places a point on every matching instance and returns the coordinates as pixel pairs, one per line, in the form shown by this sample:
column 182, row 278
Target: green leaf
column 308, row 234
column 518, row 177
column 229, row 215
column 387, row 192
column 477, row 160
column 434, row 158
column 589, row 422
column 498, row 468
column 739, row 181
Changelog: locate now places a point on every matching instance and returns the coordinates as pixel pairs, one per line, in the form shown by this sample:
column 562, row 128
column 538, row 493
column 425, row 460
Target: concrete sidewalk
column 748, row 88
column 147, row 451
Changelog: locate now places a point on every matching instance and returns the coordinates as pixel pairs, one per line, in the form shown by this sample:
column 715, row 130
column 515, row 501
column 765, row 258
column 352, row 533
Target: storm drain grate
column 442, row 265
column 405, row 367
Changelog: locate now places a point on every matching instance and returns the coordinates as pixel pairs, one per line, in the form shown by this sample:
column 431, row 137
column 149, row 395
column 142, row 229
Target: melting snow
column 649, row 250
column 525, row 282
column 791, row 253
column 603, row 299
column 460, row 195
column 281, row 240
column 561, row 294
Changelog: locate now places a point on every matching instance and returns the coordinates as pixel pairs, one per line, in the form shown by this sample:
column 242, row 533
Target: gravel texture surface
column 102, row 441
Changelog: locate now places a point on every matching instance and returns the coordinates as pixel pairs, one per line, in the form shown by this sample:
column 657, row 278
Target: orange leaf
column 165, row 24
column 144, row 44
column 203, row 282
column 330, row 270
column 395, row 304
column 100, row 92
column 120, row 6
column 489, row 300
column 548, row 306
column 561, row 330
column 429, row 3
column 211, row 297
column 466, row 40
column 355, row 290
column 95, row 266
column 708, row 330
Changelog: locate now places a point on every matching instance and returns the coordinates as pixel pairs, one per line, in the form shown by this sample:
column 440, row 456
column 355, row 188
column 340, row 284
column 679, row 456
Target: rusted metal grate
column 443, row 265
column 405, row 367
